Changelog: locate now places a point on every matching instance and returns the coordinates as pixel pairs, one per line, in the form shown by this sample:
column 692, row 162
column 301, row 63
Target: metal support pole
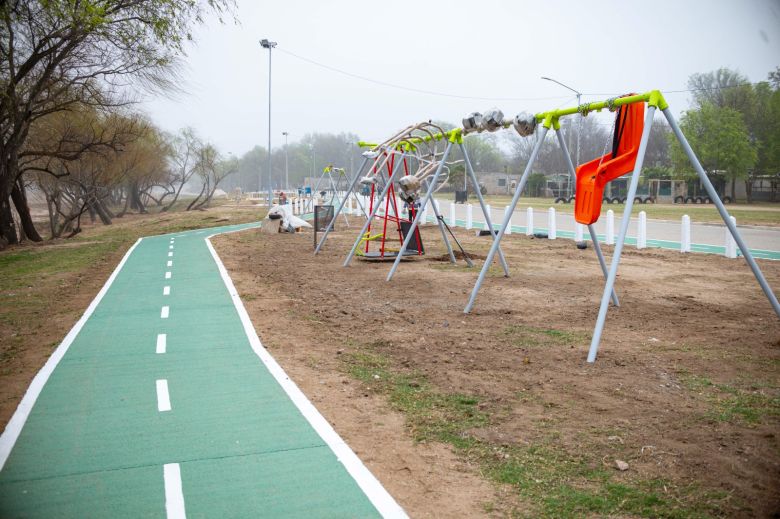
column 441, row 223
column 573, row 173
column 507, row 217
column 723, row 213
column 270, row 196
column 485, row 212
column 603, row 263
column 370, row 218
column 579, row 132
column 610, row 284
column 341, row 205
column 415, row 222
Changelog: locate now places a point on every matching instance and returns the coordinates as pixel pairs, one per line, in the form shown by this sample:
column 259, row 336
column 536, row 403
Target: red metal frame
column 395, row 217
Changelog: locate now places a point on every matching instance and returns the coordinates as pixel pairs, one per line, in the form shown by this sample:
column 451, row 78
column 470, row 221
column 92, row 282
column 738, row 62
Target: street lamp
column 579, row 121
column 313, row 160
column 268, row 44
column 286, row 163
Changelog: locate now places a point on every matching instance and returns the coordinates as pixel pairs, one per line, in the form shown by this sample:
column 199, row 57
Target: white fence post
column 469, row 216
column 610, row 238
column 508, row 227
column 529, row 221
column 641, row 235
column 551, row 230
column 731, row 245
column 452, row 214
column 490, row 214
column 578, row 231
column 685, row 234
column 438, row 207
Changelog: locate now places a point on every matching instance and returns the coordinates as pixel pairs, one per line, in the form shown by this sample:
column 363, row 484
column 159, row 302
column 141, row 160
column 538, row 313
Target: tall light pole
column 579, row 121
column 286, row 163
column 313, row 160
column 267, row 44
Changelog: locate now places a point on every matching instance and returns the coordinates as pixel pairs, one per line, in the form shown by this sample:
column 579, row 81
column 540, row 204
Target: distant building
column 498, row 183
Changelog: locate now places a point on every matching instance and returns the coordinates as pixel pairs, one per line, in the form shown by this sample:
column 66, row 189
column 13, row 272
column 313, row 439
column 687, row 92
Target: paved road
column 164, row 403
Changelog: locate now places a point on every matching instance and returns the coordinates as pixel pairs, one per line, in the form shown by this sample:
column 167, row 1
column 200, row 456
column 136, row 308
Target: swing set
column 634, row 118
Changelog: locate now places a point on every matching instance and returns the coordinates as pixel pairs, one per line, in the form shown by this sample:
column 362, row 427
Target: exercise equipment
column 423, row 150
column 594, row 177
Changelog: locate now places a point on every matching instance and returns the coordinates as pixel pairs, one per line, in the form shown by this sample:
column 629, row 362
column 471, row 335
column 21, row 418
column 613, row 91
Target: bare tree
column 57, row 54
column 211, row 170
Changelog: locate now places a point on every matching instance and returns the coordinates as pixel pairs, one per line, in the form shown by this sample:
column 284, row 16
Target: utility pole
column 579, row 126
column 267, row 44
column 286, row 164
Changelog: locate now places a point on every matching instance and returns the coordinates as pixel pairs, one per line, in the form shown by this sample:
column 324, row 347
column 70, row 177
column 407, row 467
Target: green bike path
column 162, row 402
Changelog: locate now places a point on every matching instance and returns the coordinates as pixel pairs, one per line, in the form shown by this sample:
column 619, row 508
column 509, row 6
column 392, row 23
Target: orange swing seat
column 593, row 176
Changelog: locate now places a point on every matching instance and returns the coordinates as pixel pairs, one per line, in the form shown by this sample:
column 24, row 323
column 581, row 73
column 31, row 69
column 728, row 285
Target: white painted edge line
column 166, row 290
column 17, row 421
column 170, row 263
column 163, row 397
column 167, row 275
column 371, row 487
column 174, row 496
column 162, row 342
column 164, row 311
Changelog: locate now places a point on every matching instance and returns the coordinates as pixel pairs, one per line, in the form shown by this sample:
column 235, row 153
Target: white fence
column 469, row 216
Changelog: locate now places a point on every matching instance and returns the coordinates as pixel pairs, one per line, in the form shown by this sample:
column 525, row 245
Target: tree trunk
column 8, row 234
column 121, row 213
column 91, row 211
column 97, row 207
column 136, row 202
column 19, row 197
column 734, row 189
column 192, row 204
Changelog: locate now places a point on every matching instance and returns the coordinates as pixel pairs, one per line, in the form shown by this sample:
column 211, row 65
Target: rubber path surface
column 99, row 435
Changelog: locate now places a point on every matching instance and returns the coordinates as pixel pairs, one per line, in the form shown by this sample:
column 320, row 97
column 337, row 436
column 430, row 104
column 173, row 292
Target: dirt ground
column 686, row 389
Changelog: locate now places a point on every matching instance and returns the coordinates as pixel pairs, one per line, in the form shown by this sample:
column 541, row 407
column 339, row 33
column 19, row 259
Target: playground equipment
column 337, row 188
column 627, row 156
column 417, row 148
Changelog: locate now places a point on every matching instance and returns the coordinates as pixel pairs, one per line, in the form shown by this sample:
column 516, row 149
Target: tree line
column 70, row 135
column 68, row 70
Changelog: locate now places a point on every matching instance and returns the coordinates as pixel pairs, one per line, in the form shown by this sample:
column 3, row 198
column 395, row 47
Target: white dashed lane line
column 162, row 342
column 163, row 398
column 164, row 312
column 166, row 291
column 174, row 496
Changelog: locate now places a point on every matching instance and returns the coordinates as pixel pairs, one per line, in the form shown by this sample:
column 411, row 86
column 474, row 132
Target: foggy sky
column 478, row 48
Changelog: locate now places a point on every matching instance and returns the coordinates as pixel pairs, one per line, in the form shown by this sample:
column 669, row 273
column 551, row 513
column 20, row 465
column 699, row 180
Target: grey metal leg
column 723, row 213
column 573, row 174
column 488, row 222
column 341, row 205
column 610, row 284
column 507, row 217
column 373, row 213
column 440, row 222
column 603, row 263
column 418, row 215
